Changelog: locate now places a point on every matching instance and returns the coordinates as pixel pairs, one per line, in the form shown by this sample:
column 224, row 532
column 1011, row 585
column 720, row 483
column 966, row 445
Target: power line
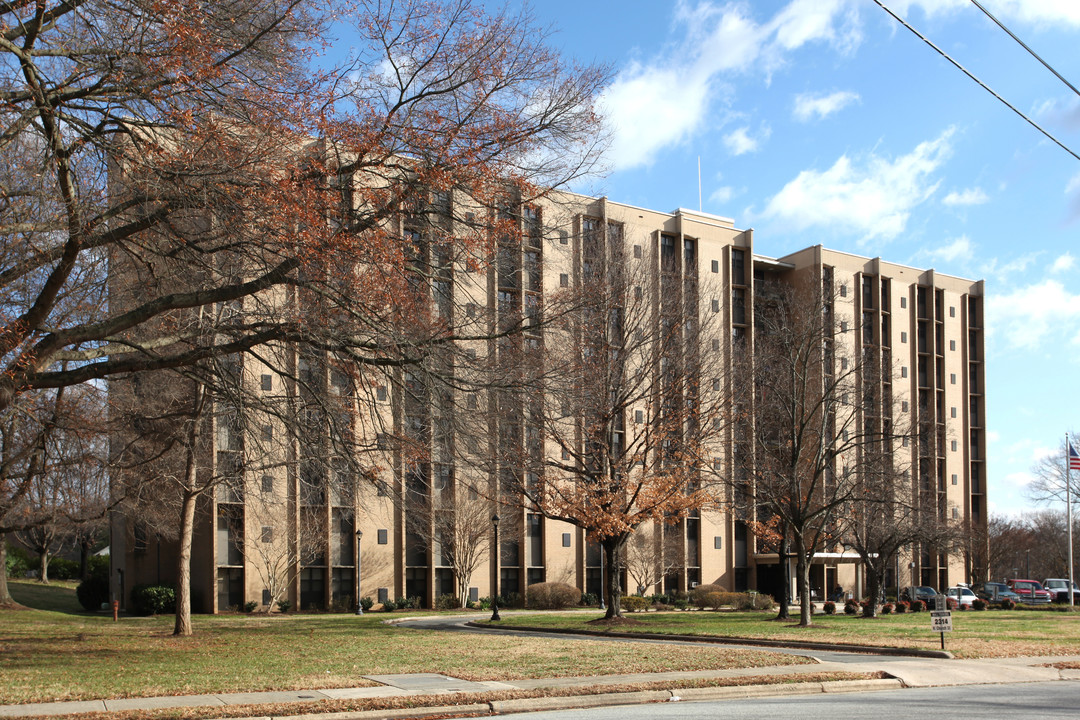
column 1024, row 45
column 981, row 84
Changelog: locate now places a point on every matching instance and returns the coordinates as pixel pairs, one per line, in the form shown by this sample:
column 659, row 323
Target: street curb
column 573, row 702
column 716, row 640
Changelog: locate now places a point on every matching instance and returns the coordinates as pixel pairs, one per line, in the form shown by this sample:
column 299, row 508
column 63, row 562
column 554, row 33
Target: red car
column 1030, row 592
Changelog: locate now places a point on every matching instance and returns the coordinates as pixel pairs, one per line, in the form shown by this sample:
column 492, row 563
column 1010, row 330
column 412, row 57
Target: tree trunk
column 183, row 567
column 806, row 603
column 5, row 594
column 84, row 559
column 613, row 591
column 785, row 585
column 43, row 568
column 873, row 588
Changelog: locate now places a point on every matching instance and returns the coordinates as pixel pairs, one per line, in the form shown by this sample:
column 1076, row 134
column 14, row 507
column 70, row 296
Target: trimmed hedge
column 552, row 595
column 633, row 603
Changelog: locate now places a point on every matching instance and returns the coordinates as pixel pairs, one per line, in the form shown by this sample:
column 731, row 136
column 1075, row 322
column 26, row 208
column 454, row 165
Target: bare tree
column 806, row 429
column 630, row 408
column 647, row 561
column 1049, row 473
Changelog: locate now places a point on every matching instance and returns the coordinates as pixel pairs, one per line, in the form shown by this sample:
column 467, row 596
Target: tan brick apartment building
column 929, row 327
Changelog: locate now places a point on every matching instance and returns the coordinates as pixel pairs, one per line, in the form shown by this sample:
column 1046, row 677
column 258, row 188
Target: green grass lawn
column 993, row 633
column 51, row 655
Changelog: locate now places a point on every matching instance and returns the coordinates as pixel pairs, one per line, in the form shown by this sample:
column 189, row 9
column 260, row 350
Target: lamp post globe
column 495, row 563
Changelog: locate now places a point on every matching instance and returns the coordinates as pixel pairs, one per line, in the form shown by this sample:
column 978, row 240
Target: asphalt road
column 1045, row 701
column 457, row 624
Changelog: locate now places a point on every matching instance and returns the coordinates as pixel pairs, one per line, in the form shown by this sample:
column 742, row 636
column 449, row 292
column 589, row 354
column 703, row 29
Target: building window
column 637, row 252
column 380, row 393
column 639, row 416
column 267, row 433
column 903, row 337
column 843, row 326
column 566, row 539
column 564, row 280
column 952, row 311
column 267, row 383
column 952, row 345
column 903, row 406
column 717, row 543
column 952, row 411
column 954, row 479
column 716, row 266
column 381, row 533
column 903, row 372
column 843, row 290
column 952, row 378
column 903, row 303
column 715, row 344
column 956, row 513
column 637, row 292
column 565, row 454
column 267, row 534
column 716, row 306
column 564, row 237
column 843, row 363
column 716, row 385
column 953, row 445
column 267, row 484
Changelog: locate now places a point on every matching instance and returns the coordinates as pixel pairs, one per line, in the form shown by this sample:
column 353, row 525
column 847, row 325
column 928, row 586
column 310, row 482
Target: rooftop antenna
column 699, row 183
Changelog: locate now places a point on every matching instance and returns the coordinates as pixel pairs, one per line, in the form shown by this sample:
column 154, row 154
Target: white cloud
column 809, row 106
column 1063, row 263
column 663, row 102
column 958, row 250
column 1031, row 12
column 872, row 197
column 740, row 142
column 970, row 196
column 722, row 195
column 1073, row 185
column 1004, row 272
column 1030, row 315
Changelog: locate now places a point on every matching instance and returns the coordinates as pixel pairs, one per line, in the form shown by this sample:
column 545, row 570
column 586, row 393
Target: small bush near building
column 366, row 603
column 901, row 607
column 634, row 603
column 851, row 607
column 699, row 596
column 94, row 590
column 1005, row 604
column 250, row 605
column 389, row 606
column 153, row 599
column 447, row 601
column 283, row 606
column 589, row 599
column 553, row 595
column 917, row 606
column 887, row 609
column 978, row 604
column 830, row 608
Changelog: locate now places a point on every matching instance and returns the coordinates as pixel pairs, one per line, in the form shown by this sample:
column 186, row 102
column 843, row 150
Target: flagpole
column 1068, row 511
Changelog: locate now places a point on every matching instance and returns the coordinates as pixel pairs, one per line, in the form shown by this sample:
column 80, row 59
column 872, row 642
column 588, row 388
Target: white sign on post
column 941, row 621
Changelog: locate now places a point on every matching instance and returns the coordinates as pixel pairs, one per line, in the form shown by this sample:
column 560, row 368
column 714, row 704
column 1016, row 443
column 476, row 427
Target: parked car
column 1030, row 591
column 962, row 594
column 995, row 592
column 919, row 592
column 1059, row 590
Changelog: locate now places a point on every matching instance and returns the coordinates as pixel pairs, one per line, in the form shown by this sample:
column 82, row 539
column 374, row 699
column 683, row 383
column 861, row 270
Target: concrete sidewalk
column 919, row 672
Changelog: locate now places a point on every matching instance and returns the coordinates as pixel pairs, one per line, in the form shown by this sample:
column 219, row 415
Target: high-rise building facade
column 303, row 526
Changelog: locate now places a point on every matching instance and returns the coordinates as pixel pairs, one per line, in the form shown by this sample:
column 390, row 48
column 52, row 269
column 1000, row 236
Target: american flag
column 1074, row 458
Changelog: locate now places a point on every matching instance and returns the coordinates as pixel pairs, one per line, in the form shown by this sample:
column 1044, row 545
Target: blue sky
column 825, row 121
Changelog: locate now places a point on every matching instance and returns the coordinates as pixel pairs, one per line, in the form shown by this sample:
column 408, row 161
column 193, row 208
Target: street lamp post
column 359, row 607
column 495, row 564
